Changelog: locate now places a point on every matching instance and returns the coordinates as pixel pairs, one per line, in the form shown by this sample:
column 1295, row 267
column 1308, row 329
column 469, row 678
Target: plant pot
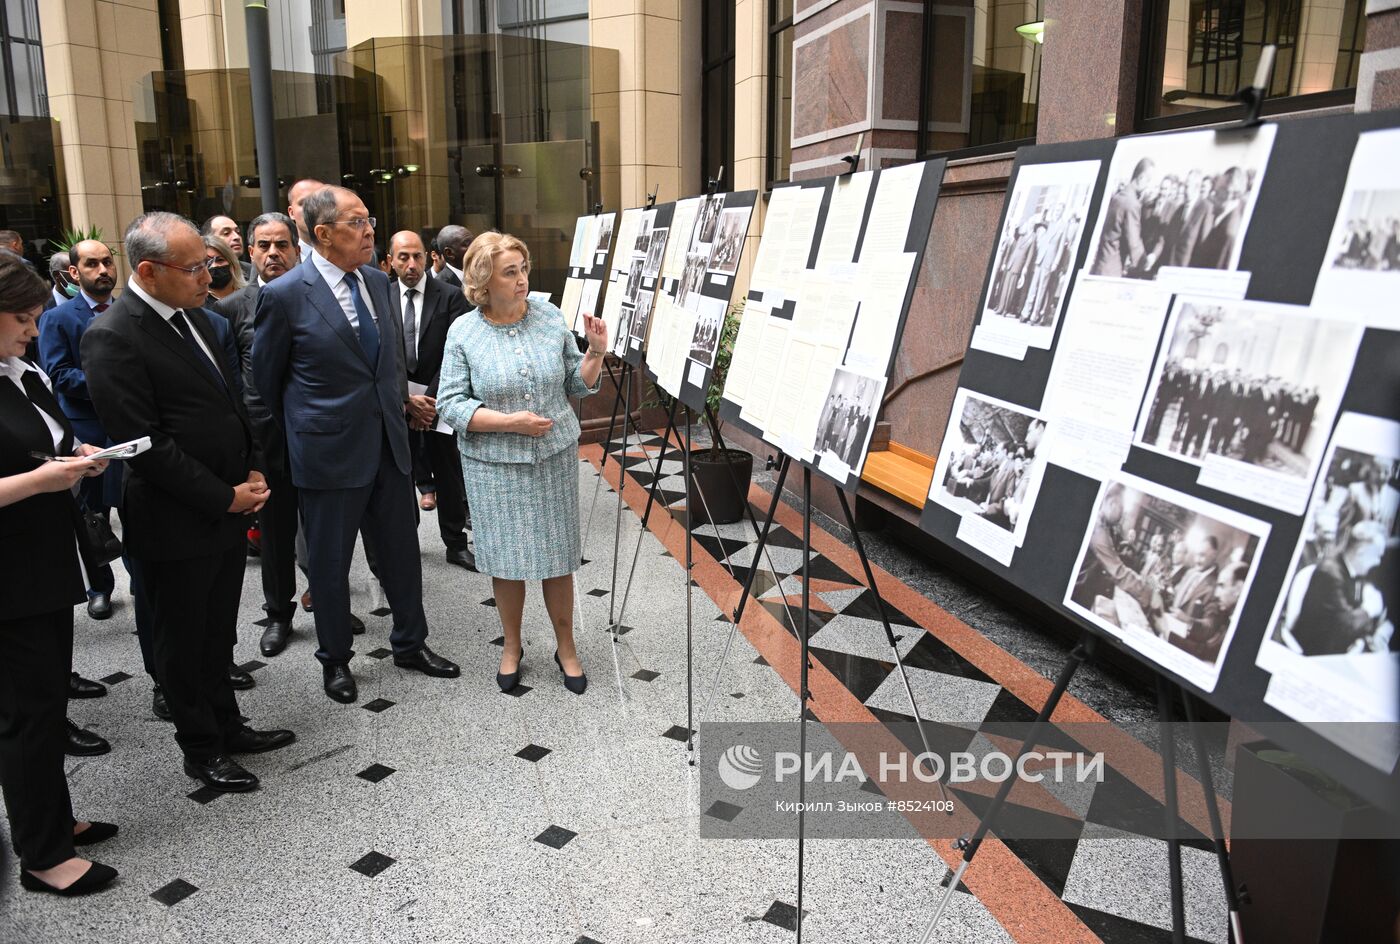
column 722, row 476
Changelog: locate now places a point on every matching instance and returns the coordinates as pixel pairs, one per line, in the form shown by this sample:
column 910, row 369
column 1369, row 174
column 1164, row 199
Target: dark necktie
column 410, row 331
column 182, row 325
column 369, row 332
column 100, row 307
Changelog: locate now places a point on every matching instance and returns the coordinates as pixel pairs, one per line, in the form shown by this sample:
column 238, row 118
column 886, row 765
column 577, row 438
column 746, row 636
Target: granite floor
column 445, row 811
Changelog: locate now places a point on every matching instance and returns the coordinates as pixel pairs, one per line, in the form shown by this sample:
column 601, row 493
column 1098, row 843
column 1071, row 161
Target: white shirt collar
column 14, row 367
column 332, row 273
column 161, row 308
column 457, row 272
column 403, row 289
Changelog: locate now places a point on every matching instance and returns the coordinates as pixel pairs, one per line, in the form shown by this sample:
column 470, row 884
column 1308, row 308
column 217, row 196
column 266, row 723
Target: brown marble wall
column 1382, row 43
column 1089, row 69
column 833, row 76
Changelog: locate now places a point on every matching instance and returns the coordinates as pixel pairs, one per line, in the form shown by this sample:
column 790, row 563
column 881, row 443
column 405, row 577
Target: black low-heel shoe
column 508, row 680
column 95, row 833
column 574, row 683
column 96, row 878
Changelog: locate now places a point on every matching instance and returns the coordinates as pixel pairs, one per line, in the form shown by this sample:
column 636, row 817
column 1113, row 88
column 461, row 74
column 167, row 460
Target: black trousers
column 194, row 603
column 37, row 657
column 278, row 521
column 332, row 518
column 438, row 452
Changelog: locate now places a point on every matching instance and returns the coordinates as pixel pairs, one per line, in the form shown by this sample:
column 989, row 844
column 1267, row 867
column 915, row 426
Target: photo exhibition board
column 641, row 245
column 588, row 268
column 694, row 284
column 828, row 298
column 1196, row 452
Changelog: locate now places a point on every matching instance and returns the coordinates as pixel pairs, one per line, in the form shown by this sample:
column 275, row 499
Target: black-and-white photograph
column 1178, row 200
column 848, row 418
column 1032, row 268
column 1250, row 382
column 1371, row 233
column 707, row 222
column 624, row 328
column 634, row 279
column 643, row 315
column 605, row 231
column 709, row 322
column 644, row 228
column 692, row 278
column 1167, row 573
column 729, row 240
column 656, row 250
column 990, row 455
column 588, row 298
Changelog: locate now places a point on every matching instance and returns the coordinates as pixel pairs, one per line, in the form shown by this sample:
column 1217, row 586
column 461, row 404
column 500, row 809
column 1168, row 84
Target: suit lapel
column 428, row 306
column 379, row 294
column 199, row 320
column 323, row 299
column 157, row 327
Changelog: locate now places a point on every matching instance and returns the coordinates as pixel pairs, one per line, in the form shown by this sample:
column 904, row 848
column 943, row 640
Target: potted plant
column 722, row 475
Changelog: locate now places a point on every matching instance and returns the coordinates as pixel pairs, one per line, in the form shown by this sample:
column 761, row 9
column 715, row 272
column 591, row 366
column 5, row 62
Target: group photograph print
column 656, row 249
column 1036, row 251
column 1179, row 200
column 1331, row 645
column 993, row 460
column 605, row 231
column 634, row 279
column 1248, row 392
column 847, row 422
column 1167, row 574
column 709, row 323
column 728, row 243
column 707, row 223
column 1362, row 267
column 692, row 281
column 642, row 315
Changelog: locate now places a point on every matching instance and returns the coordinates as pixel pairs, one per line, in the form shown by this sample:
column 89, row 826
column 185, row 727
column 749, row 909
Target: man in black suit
column 1341, row 605
column 426, row 308
column 328, row 361
column 452, row 243
column 272, row 242
column 156, row 367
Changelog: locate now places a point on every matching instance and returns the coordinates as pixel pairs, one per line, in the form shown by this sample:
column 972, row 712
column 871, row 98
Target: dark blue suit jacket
column 336, row 408
column 60, row 332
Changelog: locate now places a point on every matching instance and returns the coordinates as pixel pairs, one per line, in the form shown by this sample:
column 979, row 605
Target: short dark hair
column 20, row 288
column 207, row 227
column 453, row 236
column 268, row 219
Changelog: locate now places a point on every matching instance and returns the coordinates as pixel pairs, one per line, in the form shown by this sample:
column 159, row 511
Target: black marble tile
column 933, row 654
column 556, row 837
column 943, row 739
column 489, row 601
column 783, row 915
column 866, row 607
column 726, row 812
column 380, row 653
column 859, row 674
column 760, row 661
column 519, row 691
column 374, row 773
column 585, row 939
column 372, row 863
column 678, row 732
column 252, row 665
column 1049, row 859
column 205, row 795
column 720, row 548
column 623, row 629
column 736, row 694
column 378, row 705
column 114, row 678
column 822, row 568
column 790, row 616
column 779, row 536
column 173, row 893
column 598, row 592
column 665, row 553
column 1121, row 804
column 499, row 641
column 646, row 675
column 533, row 753
column 265, row 622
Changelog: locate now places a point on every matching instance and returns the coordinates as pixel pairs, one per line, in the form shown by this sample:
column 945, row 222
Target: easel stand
column 1165, row 690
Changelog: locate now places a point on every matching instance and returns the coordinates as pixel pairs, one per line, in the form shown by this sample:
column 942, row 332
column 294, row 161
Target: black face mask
column 220, row 277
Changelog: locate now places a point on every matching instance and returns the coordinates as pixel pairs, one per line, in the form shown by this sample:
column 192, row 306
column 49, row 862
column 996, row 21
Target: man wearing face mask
column 61, row 288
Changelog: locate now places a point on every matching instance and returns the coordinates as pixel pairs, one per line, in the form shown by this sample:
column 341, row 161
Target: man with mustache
column 272, row 245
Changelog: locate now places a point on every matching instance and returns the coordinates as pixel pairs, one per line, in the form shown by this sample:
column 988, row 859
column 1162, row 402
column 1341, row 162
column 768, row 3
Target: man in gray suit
column 328, row 362
column 1121, row 250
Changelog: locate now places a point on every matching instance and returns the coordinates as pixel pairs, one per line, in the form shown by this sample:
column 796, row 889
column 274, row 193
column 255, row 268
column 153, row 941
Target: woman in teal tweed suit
column 510, row 366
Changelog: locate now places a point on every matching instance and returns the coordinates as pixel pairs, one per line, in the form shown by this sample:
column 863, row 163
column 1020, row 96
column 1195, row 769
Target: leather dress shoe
column 574, row 683
column 339, row 683
column 79, row 687
column 83, row 743
column 306, row 601
column 274, row 638
column 99, row 605
column 221, row 773
column 464, row 558
column 158, row 706
column 429, row 663
column 247, row 741
column 508, row 680
column 95, row 833
column 96, row 878
column 239, row 679
column 357, row 625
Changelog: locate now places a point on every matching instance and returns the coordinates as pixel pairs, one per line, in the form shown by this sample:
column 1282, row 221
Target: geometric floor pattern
column 445, row 811
column 1111, row 880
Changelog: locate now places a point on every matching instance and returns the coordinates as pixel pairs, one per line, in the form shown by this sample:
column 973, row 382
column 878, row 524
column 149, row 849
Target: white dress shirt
column 166, row 312
column 457, row 272
column 335, row 278
column 417, row 312
column 14, row 368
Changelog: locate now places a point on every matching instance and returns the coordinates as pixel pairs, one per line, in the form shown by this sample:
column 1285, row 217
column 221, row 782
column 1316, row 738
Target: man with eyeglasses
column 328, row 361
column 159, row 365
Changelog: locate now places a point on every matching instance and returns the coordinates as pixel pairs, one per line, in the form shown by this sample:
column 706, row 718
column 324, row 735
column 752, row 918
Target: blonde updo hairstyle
column 479, row 264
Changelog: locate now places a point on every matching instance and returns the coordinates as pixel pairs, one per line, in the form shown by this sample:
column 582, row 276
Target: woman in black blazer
column 42, row 583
